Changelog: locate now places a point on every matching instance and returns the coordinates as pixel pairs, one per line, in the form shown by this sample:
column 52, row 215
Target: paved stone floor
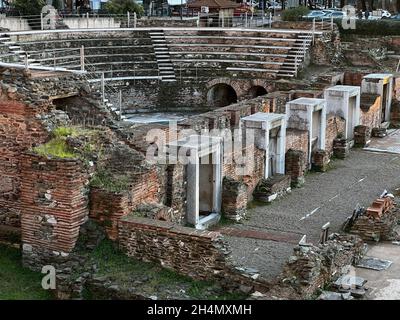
column 391, row 143
column 383, row 285
column 265, row 240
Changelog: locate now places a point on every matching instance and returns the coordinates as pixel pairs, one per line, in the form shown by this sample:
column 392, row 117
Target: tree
column 123, row 6
column 57, row 4
column 31, row 7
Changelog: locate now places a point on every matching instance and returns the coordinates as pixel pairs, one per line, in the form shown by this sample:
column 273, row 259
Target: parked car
column 395, row 17
column 273, row 5
column 314, row 14
column 386, row 14
column 336, row 15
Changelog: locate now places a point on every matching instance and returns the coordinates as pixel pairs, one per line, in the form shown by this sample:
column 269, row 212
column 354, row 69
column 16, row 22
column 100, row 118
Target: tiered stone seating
column 117, row 54
column 185, row 53
column 224, row 52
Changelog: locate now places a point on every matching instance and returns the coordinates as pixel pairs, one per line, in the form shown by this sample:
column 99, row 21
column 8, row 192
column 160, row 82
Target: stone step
column 286, row 75
column 252, row 69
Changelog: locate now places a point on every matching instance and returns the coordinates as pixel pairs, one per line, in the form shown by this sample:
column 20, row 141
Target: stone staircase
column 165, row 66
column 13, row 53
column 296, row 56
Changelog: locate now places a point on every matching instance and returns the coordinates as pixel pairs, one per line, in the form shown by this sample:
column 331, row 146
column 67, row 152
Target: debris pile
column 377, row 222
column 312, row 267
column 347, row 287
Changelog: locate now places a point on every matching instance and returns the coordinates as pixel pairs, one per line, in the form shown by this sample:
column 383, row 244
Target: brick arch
column 235, row 84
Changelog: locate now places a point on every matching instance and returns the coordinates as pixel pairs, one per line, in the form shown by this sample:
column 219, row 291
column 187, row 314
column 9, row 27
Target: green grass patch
column 122, row 269
column 18, row 283
column 56, row 147
column 109, row 181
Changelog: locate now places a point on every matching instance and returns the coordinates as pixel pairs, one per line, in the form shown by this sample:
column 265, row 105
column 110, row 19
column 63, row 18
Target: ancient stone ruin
column 163, row 141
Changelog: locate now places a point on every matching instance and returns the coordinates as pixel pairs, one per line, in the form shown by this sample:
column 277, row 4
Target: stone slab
column 374, row 263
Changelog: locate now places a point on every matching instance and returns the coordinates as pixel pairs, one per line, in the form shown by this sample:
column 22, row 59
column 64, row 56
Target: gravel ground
column 325, row 197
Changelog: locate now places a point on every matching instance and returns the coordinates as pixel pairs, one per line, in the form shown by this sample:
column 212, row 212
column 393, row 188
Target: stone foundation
column 362, row 136
column 269, row 189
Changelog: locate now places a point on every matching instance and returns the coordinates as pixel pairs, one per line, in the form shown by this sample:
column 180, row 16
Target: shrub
column 31, row 7
column 294, row 14
column 383, row 27
column 123, row 6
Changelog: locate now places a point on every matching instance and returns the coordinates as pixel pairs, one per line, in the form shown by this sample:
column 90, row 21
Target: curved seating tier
column 166, row 54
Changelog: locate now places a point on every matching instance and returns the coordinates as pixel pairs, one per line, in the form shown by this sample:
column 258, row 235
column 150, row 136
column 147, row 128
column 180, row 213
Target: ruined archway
column 221, row 95
column 257, row 91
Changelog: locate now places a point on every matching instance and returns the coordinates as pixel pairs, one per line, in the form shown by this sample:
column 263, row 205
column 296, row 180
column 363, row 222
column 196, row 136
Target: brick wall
column 109, row 207
column 334, row 126
column 19, row 130
column 297, row 140
column 370, row 111
column 54, row 202
column 199, row 254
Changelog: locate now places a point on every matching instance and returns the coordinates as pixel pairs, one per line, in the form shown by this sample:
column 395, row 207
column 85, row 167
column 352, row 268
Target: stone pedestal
column 341, row 148
column 234, row 199
column 320, row 160
column 269, row 189
column 296, row 165
column 379, row 132
column 362, row 136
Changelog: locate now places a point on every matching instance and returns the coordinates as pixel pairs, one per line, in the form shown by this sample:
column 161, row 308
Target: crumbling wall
column 19, row 130
column 109, row 207
column 311, row 267
column 378, row 222
column 199, row 254
column 370, row 110
column 54, row 204
column 335, row 126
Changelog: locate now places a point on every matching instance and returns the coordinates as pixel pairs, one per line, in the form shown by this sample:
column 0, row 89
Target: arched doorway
column 257, row 91
column 221, row 95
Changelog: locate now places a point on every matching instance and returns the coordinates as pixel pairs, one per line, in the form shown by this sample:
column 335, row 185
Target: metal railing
column 129, row 20
column 301, row 52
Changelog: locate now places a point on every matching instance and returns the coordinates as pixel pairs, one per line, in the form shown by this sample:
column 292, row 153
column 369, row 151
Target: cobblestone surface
column 329, row 196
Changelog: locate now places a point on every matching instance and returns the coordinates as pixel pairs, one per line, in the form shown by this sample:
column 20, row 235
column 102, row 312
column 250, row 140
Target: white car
column 274, row 5
column 386, row 14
